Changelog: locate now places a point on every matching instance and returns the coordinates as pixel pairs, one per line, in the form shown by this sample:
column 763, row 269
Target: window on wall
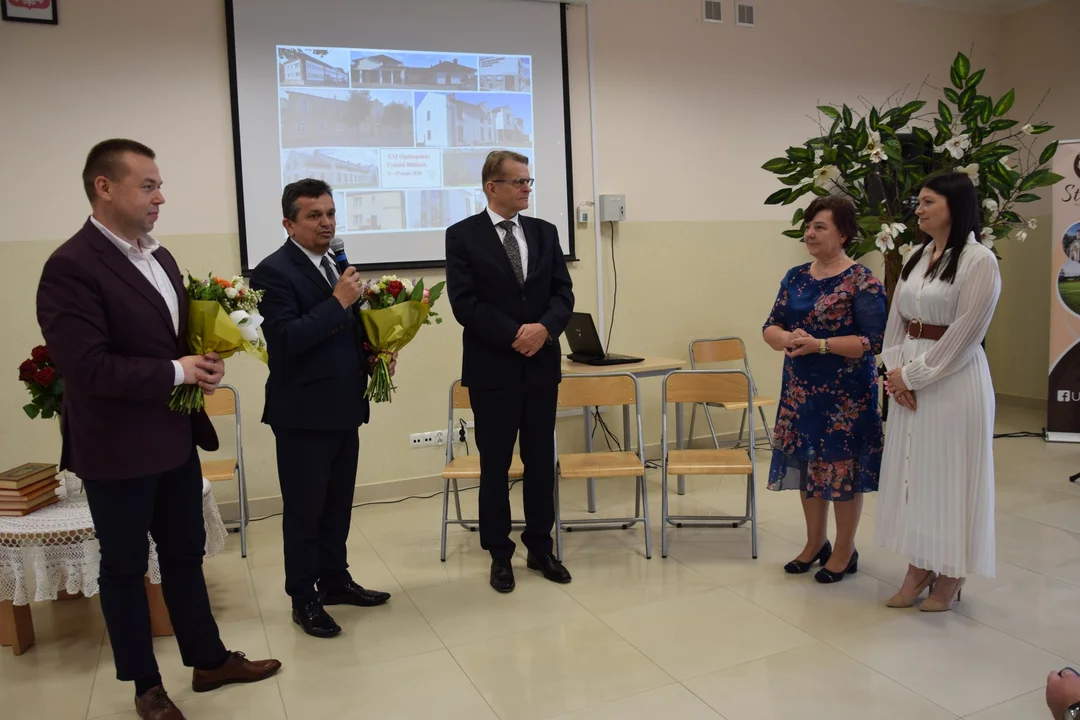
column 712, row 11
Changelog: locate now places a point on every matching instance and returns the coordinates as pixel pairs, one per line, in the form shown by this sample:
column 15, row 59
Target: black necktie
column 512, row 250
column 328, row 270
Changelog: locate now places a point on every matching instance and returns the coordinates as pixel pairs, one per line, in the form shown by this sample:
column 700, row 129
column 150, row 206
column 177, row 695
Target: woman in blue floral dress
column 829, row 320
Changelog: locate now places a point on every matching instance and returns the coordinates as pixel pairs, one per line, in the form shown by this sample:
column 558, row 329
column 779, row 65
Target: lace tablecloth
column 58, row 546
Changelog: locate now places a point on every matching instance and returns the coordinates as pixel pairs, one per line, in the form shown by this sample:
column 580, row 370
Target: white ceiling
column 987, row 7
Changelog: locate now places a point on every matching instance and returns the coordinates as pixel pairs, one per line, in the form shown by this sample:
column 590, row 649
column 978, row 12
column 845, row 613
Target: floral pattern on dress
column 828, row 437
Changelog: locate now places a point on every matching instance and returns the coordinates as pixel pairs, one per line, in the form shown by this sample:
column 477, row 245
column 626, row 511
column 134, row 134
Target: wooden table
column 651, row 366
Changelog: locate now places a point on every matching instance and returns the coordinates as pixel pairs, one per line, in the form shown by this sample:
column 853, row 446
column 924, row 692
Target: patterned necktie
column 328, row 270
column 512, row 250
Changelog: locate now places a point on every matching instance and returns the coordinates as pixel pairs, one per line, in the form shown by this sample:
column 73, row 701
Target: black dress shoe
column 553, row 569
column 798, row 567
column 315, row 621
column 353, row 594
column 502, row 575
column 827, row 577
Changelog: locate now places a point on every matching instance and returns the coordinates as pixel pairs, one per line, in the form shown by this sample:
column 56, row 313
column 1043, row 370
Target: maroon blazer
column 111, row 336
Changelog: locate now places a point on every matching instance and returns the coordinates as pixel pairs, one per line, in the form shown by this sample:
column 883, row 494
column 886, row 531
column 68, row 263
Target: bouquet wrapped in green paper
column 223, row 317
column 392, row 312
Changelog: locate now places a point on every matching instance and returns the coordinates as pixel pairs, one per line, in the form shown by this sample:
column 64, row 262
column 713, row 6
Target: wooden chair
column 598, row 390
column 719, row 350
column 719, row 387
column 466, row 467
column 226, row 401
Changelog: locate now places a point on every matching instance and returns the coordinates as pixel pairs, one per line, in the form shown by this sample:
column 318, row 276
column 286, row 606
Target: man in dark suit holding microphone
column 509, row 287
column 113, row 311
column 315, row 402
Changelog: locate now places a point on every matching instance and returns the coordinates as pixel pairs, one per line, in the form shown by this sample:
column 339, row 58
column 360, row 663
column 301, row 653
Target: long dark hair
column 963, row 202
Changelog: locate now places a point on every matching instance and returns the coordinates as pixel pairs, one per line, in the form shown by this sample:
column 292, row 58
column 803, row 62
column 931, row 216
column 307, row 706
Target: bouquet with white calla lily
column 223, row 317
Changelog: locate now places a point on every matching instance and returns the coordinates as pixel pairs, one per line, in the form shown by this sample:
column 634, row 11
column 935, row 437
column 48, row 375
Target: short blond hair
column 493, row 164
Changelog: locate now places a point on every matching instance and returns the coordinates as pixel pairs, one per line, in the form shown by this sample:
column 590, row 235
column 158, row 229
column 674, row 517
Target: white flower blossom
column 990, row 204
column 972, row 171
column 1032, row 224
column 987, row 234
column 988, row 243
column 1029, row 129
column 884, row 241
column 893, row 231
column 878, row 154
column 825, row 175
column 231, row 293
column 905, row 250
column 957, row 146
column 1021, row 236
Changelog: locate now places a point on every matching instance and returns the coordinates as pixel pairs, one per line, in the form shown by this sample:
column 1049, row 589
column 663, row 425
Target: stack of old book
column 28, row 488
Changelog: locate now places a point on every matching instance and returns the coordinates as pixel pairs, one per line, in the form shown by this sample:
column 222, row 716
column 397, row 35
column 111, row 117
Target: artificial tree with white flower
column 880, row 160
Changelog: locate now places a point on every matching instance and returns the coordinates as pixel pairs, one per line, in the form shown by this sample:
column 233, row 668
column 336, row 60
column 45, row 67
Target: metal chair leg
column 693, row 414
column 765, row 424
column 742, row 429
column 457, row 500
column 645, row 515
column 445, row 518
column 752, row 513
column 241, row 482
column 664, row 510
column 712, row 428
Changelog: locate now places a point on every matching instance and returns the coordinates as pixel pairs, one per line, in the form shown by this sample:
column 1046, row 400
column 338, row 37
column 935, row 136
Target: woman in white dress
column 936, row 497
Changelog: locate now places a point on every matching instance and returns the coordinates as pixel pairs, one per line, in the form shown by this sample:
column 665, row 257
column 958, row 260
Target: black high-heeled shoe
column 828, row 576
column 798, row 567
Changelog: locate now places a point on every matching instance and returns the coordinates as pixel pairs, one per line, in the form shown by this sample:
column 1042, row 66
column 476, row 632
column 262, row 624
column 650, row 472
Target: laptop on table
column 585, row 347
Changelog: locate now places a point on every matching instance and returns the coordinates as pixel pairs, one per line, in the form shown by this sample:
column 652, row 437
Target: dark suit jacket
column 318, row 366
column 488, row 302
column 111, row 336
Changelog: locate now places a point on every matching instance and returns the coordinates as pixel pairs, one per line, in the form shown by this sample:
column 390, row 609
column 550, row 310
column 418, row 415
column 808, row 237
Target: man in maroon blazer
column 113, row 311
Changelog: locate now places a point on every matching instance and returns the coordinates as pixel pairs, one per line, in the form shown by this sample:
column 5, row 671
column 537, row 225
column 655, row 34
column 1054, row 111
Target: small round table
column 58, row 548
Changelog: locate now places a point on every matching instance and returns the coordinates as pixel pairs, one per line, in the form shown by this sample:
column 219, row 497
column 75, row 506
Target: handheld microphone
column 337, row 247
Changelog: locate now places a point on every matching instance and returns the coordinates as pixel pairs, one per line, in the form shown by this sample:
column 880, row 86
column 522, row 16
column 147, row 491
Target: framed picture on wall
column 34, row 11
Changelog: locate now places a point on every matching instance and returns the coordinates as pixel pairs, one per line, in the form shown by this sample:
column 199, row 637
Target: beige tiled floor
column 706, row 633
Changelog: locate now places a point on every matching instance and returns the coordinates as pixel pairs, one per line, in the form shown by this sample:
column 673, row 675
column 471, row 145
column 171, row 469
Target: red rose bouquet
column 44, row 383
column 392, row 312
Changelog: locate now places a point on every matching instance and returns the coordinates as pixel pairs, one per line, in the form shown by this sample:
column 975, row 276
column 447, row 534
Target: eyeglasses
column 517, row 182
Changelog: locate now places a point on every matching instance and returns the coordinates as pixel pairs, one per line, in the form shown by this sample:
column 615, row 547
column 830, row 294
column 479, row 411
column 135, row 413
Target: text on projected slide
column 400, row 135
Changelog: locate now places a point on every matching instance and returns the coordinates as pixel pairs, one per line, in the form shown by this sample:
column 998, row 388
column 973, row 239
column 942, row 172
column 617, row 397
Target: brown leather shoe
column 154, row 704
column 237, row 669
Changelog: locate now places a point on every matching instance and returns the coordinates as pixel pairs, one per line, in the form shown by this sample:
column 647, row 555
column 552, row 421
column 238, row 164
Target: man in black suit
column 314, row 403
column 509, row 288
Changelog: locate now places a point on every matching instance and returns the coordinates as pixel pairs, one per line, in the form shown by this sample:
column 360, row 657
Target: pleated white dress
column 936, row 495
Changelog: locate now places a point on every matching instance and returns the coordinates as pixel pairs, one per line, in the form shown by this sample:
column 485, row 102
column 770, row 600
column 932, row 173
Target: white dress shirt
column 519, row 235
column 316, row 260
column 142, row 257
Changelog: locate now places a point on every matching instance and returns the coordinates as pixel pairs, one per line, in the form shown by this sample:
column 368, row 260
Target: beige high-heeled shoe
column 902, row 601
column 934, row 605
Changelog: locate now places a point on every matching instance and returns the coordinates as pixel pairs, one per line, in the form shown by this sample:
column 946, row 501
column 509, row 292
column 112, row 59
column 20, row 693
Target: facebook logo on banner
column 1063, row 396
